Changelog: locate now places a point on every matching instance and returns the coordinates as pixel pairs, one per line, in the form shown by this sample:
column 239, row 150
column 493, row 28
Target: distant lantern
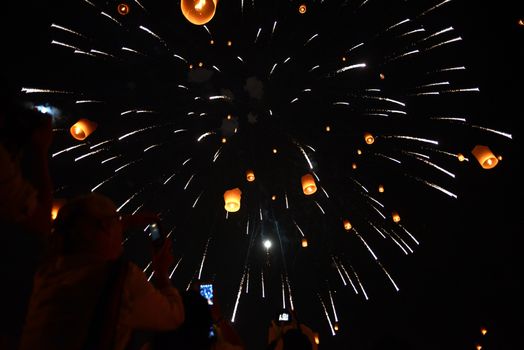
column 273, row 198
column 344, row 58
column 347, row 224
column 229, row 43
column 57, row 204
column 461, row 157
column 275, row 151
column 382, row 76
column 354, row 166
column 483, row 330
column 521, row 22
column 479, row 347
column 381, row 188
column 200, row 64
column 224, row 140
column 359, row 152
column 369, row 138
column 232, row 200
column 485, row 157
column 395, row 216
column 336, row 327
column 211, row 42
column 123, row 9
column 250, row 175
column 304, row 242
column 82, row 129
column 308, row 184
column 499, row 157
column 317, row 338
column 302, row 9
column 328, row 128
column 198, row 12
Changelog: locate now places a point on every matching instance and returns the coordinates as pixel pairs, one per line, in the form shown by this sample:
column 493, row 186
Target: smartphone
column 283, row 317
column 156, row 235
column 206, row 290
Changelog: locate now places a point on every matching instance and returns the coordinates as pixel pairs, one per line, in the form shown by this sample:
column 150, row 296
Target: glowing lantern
column 250, row 175
column 82, row 129
column 354, row 166
column 308, row 184
column 232, row 200
column 381, row 188
column 57, row 204
column 347, row 225
column 521, row 22
column 304, row 242
column 317, row 339
column 200, row 64
column 211, row 42
column 485, row 157
column 328, row 128
column 382, row 76
column 273, row 198
column 483, row 330
column 224, row 140
column 335, row 326
column 395, row 216
column 359, row 152
column 275, row 151
column 369, row 138
column 229, row 43
column 479, row 347
column 461, row 157
column 198, row 11
column 123, row 9
column 302, row 9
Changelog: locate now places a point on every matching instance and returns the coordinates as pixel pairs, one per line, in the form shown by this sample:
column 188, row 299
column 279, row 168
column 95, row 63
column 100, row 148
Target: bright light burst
column 164, row 100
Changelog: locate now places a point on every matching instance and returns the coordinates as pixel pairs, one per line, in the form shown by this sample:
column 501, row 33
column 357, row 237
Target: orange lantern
column 250, row 175
column 483, row 330
column 395, row 216
column 461, row 157
column 336, row 327
column 381, row 188
column 198, row 12
column 308, row 184
column 369, row 138
column 82, row 129
column 302, row 9
column 347, row 225
column 123, row 9
column 304, row 242
column 485, row 157
column 354, row 166
column 232, row 200
column 57, row 204
column 317, row 338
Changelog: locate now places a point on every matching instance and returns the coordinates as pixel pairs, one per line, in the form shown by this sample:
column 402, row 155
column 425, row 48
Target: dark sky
column 464, row 274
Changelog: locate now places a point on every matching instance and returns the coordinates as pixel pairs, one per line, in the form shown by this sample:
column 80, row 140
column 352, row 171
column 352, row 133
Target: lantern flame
column 82, row 129
column 232, row 200
column 198, row 12
column 485, row 157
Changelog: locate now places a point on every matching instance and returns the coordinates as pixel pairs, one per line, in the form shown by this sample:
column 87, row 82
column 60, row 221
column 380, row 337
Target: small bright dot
column 229, row 117
column 359, row 152
column 354, row 166
column 212, row 42
column 521, row 22
column 267, row 244
column 489, row 161
column 275, row 151
column 123, row 9
column 224, row 140
column 461, row 157
column 483, row 330
column 328, row 128
column 381, row 188
column 499, row 157
column 273, row 197
column 479, row 347
column 190, row 66
column 344, row 58
column 229, row 43
column 200, row 64
column 382, row 76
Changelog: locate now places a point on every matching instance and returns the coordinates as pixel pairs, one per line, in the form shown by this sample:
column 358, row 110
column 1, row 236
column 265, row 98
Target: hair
column 79, row 219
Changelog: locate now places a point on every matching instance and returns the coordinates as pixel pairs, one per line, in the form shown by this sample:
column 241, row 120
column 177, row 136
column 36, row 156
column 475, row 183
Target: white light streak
column 67, row 30
column 88, row 154
column 67, row 149
column 354, row 47
column 135, row 132
column 169, row 178
column 132, row 50
column 126, row 202
column 258, row 34
column 412, row 138
column 44, row 91
column 103, row 182
column 111, row 18
column 434, row 7
column 174, row 269
column 151, row 147
column 206, row 134
column 203, row 259
column 389, row 276
column 188, row 181
column 397, row 24
column 509, row 136
column 333, row 306
column 59, row 43
column 180, row 58
column 353, row 66
column 319, row 207
column 238, row 298
column 109, row 159
column 444, row 43
column 309, row 40
column 272, row 69
column 327, row 315
column 196, row 200
column 366, row 244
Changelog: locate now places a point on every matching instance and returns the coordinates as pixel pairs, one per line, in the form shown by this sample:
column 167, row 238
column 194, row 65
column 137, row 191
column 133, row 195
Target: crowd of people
column 68, row 285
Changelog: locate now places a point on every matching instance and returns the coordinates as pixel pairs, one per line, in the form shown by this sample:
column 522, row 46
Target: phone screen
column 206, row 290
column 284, row 316
column 155, row 232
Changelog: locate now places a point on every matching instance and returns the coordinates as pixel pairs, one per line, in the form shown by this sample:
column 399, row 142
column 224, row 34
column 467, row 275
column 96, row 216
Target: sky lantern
column 57, row 204
column 302, row 9
column 347, row 225
column 483, row 330
column 250, row 175
column 485, row 157
column 304, row 242
column 232, row 200
column 317, row 338
column 123, row 9
column 461, row 157
column 336, row 326
column 369, row 138
column 198, row 12
column 308, row 184
column 82, row 129
column 395, row 216
column 381, row 188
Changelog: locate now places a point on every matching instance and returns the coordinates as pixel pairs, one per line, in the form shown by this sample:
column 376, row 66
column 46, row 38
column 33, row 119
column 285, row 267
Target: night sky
column 463, row 275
